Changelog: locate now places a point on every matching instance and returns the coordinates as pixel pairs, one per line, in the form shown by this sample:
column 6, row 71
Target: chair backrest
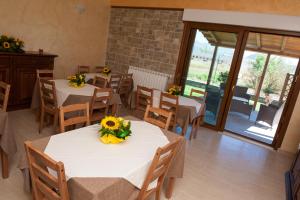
column 83, row 69
column 174, row 85
column 125, row 76
column 114, row 82
column 158, row 117
column 44, row 184
column 100, row 82
column 144, row 97
column 99, row 69
column 200, row 95
column 44, row 73
column 170, row 103
column 158, row 170
column 80, row 114
column 4, row 95
column 126, row 85
column 101, row 99
column 48, row 93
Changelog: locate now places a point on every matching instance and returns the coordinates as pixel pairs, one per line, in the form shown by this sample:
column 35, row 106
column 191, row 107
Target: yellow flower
column 6, row 45
column 110, row 123
column 110, row 139
column 126, row 123
column 105, row 70
column 120, row 119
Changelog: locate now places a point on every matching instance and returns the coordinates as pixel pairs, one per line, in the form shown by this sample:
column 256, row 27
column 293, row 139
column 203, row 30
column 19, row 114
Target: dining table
column 90, row 76
column 108, row 171
column 67, row 95
column 8, row 143
column 188, row 108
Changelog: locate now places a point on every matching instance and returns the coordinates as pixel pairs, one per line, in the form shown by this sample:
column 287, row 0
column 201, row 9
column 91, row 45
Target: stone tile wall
column 145, row 38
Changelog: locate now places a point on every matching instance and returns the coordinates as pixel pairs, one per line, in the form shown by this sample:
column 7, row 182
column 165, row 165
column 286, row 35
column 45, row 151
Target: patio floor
column 241, row 124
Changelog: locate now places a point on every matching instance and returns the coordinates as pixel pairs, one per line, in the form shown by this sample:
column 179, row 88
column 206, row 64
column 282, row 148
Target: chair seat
column 139, row 114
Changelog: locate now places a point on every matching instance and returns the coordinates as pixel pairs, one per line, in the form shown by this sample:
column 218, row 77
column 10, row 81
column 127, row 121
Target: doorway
column 264, row 80
column 249, row 75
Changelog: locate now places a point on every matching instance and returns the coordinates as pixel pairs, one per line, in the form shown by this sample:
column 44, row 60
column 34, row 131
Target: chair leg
column 55, row 120
column 4, row 162
column 194, row 129
column 41, row 120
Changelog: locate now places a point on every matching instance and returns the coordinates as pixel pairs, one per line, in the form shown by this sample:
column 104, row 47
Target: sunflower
column 110, row 123
column 6, row 45
column 106, row 70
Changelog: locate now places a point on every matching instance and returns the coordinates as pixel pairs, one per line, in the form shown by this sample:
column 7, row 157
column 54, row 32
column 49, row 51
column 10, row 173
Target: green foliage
column 222, row 77
column 253, row 76
column 10, row 44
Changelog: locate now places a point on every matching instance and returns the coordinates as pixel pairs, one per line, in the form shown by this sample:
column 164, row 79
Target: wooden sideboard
column 19, row 70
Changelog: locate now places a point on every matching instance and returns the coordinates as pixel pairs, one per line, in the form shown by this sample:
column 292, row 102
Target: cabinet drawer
column 5, row 61
column 32, row 60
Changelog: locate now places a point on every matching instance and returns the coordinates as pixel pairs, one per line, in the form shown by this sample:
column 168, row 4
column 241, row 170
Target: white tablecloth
column 84, row 155
column 63, row 90
column 184, row 101
column 89, row 76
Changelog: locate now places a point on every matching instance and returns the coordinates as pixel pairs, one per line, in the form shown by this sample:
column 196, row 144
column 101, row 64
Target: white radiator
column 149, row 78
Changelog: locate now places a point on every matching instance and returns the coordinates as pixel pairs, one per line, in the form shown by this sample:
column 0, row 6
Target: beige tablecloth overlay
column 7, row 142
column 71, row 99
column 185, row 114
column 106, row 188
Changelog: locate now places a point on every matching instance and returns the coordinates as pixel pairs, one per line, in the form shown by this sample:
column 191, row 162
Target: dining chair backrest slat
column 158, row 117
column 158, row 169
column 80, row 112
column 44, row 184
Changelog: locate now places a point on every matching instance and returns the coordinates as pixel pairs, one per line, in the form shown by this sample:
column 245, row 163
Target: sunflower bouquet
column 77, row 80
column 106, row 71
column 174, row 90
column 114, row 130
column 11, row 44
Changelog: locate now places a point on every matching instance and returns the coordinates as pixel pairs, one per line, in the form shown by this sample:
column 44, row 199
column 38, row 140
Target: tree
column 253, row 75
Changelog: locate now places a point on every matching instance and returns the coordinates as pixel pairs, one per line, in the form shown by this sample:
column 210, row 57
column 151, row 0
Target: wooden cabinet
column 19, row 70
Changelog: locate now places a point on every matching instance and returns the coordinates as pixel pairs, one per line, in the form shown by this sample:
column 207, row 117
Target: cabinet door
column 5, row 63
column 25, row 80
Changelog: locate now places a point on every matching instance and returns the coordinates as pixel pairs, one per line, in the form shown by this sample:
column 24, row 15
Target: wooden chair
column 144, row 96
column 44, row 184
column 125, row 76
column 44, row 73
column 79, row 114
column 83, row 69
column 170, row 103
column 100, row 103
column 158, row 117
column 200, row 95
column 158, row 170
column 99, row 69
column 125, row 88
column 48, row 102
column 100, row 82
column 114, row 82
column 4, row 95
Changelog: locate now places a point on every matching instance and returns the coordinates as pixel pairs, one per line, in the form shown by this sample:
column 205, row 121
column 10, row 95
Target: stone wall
column 144, row 38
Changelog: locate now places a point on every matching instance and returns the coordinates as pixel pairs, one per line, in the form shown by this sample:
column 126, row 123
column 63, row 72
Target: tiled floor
column 217, row 166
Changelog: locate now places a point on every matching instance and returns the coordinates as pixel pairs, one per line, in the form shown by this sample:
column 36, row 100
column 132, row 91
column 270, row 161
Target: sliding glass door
column 208, row 68
column 249, row 75
column 264, row 81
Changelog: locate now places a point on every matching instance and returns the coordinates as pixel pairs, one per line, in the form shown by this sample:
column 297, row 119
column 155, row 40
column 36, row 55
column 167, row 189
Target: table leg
column 4, row 163
column 170, row 187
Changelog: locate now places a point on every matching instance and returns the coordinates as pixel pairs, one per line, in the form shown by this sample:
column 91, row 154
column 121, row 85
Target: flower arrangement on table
column 11, row 44
column 114, row 130
column 106, row 71
column 77, row 80
column 174, row 90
